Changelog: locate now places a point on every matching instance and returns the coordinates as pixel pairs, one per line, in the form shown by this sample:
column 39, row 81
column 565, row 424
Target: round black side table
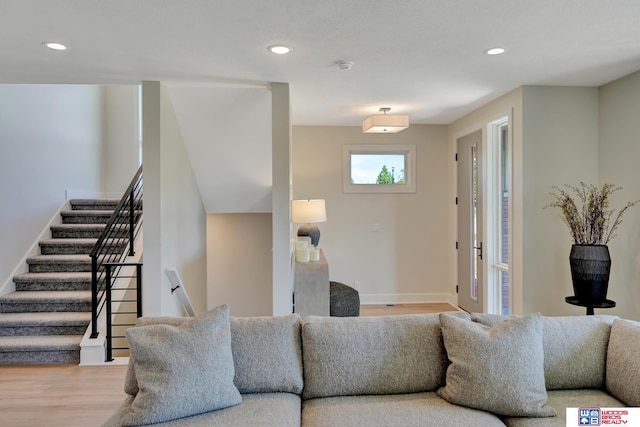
column 606, row 304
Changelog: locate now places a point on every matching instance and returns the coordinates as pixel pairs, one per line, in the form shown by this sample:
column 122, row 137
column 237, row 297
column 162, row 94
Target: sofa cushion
column 267, row 354
column 575, row 349
column 560, row 400
column 372, row 355
column 278, row 409
column 499, row 369
column 623, row 363
column 182, row 370
column 406, row 410
column 266, row 351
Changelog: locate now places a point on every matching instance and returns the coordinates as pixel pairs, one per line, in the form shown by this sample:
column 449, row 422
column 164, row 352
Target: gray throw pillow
column 623, row 363
column 182, row 370
column 498, row 369
column 130, row 381
column 267, row 353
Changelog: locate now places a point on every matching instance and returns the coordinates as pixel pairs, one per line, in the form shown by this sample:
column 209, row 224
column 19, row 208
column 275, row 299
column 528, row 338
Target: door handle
column 479, row 248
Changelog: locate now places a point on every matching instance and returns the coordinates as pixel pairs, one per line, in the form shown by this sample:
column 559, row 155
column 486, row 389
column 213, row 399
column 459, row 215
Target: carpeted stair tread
column 78, row 227
column 94, row 204
column 86, row 216
column 40, row 343
column 69, row 241
column 75, row 246
column 69, row 258
column 45, row 301
column 53, row 281
column 46, row 296
column 71, row 246
column 77, row 230
column 88, row 212
column 54, row 276
column 59, row 263
column 45, row 319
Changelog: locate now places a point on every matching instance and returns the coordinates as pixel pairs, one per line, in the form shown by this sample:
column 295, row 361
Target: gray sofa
column 416, row 370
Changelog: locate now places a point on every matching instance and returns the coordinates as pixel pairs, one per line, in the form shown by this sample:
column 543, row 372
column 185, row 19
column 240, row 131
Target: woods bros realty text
column 594, row 416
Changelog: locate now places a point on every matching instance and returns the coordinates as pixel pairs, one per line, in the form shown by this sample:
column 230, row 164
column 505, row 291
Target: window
column 379, row 169
column 501, row 147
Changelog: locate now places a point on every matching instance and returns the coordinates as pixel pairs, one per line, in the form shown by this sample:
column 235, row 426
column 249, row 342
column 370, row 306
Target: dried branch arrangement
column 585, row 210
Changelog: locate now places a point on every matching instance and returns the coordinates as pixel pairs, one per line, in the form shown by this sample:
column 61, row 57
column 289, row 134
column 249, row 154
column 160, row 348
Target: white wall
column 281, row 160
column 121, row 157
column 238, row 142
column 555, row 141
column 619, row 154
column 174, row 215
column 509, row 105
column 406, row 261
column 51, row 141
column 239, row 267
column 227, row 133
column 560, row 147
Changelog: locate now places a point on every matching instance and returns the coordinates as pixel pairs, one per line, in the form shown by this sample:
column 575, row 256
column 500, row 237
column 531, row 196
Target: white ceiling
column 419, row 57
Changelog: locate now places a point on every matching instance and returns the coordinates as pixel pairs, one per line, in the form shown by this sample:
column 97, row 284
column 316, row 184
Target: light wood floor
column 396, row 309
column 59, row 395
column 85, row 396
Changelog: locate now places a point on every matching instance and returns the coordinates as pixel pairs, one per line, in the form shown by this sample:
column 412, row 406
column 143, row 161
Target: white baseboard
column 369, row 299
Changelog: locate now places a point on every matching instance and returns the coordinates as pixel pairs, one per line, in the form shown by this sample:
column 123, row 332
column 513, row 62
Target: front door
column 470, row 239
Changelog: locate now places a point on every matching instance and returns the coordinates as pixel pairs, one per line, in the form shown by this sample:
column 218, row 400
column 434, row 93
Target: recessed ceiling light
column 495, row 51
column 280, row 49
column 55, row 45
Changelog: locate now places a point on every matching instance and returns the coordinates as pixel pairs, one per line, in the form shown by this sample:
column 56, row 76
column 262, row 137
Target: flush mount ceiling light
column 280, row 49
column 385, row 123
column 55, row 45
column 495, row 51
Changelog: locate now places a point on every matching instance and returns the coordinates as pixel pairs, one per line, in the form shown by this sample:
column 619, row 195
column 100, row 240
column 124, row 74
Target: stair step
column 94, row 204
column 83, row 231
column 40, row 349
column 53, row 281
column 45, row 301
column 79, row 246
column 59, row 263
column 46, row 323
column 44, row 320
column 72, row 246
column 86, row 216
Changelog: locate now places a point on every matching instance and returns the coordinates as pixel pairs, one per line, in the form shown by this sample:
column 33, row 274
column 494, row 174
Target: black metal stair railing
column 125, row 298
column 121, row 231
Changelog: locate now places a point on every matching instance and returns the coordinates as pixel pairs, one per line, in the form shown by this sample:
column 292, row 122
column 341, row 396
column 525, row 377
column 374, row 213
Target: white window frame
column 409, row 152
column 494, row 196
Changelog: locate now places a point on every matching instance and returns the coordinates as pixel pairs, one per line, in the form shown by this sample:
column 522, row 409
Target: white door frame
column 470, row 258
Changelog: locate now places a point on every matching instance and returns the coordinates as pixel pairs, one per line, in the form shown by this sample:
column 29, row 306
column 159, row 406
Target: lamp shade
column 308, row 211
column 385, row 123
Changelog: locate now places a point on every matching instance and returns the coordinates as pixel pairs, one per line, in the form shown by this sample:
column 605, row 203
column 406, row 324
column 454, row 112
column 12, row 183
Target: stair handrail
column 127, row 214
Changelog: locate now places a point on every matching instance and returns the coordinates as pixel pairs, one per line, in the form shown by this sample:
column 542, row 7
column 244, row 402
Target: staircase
column 44, row 320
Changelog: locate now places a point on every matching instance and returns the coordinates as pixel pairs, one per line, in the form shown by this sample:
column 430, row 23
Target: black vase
column 590, row 269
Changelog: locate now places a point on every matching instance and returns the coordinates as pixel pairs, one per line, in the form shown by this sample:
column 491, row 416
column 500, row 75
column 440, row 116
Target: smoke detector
column 344, row 65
